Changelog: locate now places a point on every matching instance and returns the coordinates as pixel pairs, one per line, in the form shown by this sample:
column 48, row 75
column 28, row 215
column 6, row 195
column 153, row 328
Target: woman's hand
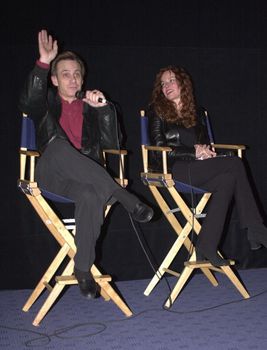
column 47, row 47
column 204, row 152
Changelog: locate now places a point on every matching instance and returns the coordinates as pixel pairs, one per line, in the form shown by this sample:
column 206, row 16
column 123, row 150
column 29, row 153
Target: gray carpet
column 202, row 317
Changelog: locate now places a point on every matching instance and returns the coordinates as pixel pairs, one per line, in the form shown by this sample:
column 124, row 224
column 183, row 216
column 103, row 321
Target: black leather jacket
column 180, row 139
column 43, row 105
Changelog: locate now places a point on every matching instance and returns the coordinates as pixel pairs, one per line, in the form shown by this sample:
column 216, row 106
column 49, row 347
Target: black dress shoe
column 257, row 236
column 142, row 213
column 215, row 259
column 88, row 287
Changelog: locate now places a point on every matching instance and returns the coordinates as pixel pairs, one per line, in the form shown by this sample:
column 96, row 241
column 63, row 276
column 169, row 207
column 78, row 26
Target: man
column 71, row 136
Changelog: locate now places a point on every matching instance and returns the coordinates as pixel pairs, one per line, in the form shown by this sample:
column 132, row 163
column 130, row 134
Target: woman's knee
column 237, row 164
column 223, row 182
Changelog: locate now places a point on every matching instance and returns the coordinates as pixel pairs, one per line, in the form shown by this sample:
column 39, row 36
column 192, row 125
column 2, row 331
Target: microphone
column 81, row 94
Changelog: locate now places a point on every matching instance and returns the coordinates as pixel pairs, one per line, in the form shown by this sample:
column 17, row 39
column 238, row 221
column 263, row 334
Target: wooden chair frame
column 155, row 181
column 63, row 232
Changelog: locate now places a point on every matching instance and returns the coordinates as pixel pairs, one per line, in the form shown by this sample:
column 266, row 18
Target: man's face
column 68, row 79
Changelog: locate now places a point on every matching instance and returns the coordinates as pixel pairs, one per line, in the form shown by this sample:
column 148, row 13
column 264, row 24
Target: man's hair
column 67, row 55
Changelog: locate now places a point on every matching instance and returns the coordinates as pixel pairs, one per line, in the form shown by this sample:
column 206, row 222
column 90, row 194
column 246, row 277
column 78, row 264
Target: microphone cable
column 130, row 216
column 144, row 249
column 190, row 251
column 156, row 272
column 193, row 208
column 121, row 165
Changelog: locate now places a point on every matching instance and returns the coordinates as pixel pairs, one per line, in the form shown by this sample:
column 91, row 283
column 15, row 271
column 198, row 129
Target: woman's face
column 170, row 87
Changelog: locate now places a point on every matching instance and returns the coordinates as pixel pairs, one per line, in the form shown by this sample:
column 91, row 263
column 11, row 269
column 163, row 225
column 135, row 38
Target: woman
column 174, row 121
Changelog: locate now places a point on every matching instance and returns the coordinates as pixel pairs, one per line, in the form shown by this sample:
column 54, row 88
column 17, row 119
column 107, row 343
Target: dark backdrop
column 223, row 46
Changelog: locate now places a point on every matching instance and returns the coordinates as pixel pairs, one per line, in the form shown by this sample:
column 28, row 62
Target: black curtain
column 221, row 44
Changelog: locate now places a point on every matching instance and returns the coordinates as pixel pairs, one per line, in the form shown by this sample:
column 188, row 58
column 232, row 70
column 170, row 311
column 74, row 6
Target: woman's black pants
column 225, row 178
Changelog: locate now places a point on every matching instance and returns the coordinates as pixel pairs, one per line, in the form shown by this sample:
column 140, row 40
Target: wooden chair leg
column 178, row 286
column 111, row 293
column 235, row 280
column 165, row 264
column 57, row 289
column 184, row 277
column 48, row 275
column 210, row 276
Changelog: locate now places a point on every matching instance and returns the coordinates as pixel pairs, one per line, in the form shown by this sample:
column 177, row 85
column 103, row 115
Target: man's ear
column 54, row 80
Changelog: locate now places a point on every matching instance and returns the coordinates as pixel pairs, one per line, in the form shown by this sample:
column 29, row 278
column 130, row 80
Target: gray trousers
column 63, row 170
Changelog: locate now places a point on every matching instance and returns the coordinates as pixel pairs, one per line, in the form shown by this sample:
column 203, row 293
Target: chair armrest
column 121, row 153
column 161, row 149
column 115, row 151
column 30, row 153
column 25, row 157
column 238, row 148
column 227, row 146
column 158, row 148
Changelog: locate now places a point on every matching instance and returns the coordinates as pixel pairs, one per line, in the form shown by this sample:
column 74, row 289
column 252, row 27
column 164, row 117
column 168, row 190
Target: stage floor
column 202, row 317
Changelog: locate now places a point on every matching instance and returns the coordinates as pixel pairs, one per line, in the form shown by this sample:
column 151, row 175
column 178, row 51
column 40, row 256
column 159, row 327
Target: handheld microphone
column 81, row 94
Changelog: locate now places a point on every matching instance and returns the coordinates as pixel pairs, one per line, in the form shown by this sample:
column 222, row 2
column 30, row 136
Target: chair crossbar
column 177, row 210
column 159, row 181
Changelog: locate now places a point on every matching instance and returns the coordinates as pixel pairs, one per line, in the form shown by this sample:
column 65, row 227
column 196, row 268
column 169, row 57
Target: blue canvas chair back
column 28, row 141
column 144, row 131
column 210, row 133
column 145, row 141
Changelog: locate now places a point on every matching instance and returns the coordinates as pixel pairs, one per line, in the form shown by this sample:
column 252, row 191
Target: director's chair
column 162, row 185
column 63, row 230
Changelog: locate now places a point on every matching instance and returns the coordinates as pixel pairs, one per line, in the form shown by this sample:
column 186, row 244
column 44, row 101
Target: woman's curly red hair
column 167, row 109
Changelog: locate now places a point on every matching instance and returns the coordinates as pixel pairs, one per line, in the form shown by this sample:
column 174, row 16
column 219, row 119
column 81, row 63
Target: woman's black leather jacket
column 163, row 133
column 43, row 105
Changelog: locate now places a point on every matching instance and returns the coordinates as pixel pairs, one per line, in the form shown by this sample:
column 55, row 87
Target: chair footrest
column 72, row 279
column 102, row 278
column 201, row 264
column 122, row 182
